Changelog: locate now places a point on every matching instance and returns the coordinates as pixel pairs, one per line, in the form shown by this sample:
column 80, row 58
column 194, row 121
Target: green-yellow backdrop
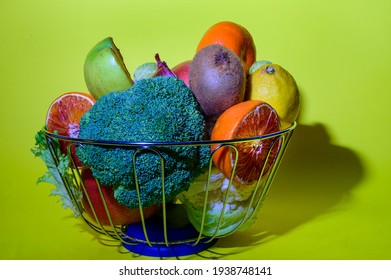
column 331, row 197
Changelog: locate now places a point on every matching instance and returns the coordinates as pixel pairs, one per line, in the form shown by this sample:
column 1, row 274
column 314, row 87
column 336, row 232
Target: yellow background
column 331, row 197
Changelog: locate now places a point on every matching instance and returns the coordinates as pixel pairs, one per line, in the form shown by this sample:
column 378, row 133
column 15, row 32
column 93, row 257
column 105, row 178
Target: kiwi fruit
column 217, row 79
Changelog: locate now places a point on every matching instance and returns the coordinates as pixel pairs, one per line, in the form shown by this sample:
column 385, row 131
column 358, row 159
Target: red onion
column 162, row 68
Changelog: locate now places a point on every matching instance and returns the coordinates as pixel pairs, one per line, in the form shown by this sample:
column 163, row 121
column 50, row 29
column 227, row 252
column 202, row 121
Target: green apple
column 105, row 70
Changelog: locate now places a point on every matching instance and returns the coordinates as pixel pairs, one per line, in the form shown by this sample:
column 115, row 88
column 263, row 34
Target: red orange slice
column 65, row 113
column 245, row 120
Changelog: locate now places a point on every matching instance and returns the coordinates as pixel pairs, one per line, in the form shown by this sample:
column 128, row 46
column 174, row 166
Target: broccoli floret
column 160, row 109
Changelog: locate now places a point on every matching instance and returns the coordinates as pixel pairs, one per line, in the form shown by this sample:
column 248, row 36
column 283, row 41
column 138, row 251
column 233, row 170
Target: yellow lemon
column 274, row 85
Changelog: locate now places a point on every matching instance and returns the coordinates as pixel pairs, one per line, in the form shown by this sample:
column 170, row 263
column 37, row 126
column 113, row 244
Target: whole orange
column 233, row 36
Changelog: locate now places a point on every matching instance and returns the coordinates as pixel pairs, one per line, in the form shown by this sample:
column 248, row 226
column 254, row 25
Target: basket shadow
column 314, row 176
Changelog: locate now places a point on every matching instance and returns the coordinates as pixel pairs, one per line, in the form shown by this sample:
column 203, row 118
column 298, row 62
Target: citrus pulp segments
column 256, row 157
column 64, row 115
column 65, row 112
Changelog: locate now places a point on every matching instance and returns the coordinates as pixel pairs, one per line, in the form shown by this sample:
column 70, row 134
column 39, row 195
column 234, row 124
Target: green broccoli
column 160, row 109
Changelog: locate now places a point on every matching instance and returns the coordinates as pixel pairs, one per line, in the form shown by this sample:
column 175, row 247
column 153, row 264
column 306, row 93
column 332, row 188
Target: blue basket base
column 163, row 251
column 177, row 233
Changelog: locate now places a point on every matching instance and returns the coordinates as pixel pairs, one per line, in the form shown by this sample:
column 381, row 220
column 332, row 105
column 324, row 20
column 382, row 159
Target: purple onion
column 162, row 68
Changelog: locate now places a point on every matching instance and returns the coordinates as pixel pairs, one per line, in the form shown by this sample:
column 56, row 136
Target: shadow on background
column 314, row 176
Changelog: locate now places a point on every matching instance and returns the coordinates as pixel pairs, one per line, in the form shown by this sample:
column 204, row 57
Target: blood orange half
column 255, row 158
column 65, row 113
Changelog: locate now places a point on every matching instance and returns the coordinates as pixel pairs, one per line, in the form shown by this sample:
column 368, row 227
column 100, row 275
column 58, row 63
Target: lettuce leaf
column 233, row 212
column 231, row 220
column 59, row 174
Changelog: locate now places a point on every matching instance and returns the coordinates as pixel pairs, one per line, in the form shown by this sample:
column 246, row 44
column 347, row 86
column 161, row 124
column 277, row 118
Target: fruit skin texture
column 182, row 70
column 233, row 36
column 226, row 128
column 275, row 85
column 217, row 79
column 120, row 214
column 258, row 64
column 104, row 69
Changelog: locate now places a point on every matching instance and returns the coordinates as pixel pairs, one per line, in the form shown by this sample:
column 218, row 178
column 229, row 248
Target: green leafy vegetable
column 57, row 174
column 235, row 212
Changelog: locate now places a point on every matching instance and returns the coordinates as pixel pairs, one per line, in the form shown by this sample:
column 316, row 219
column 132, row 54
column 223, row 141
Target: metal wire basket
column 174, row 230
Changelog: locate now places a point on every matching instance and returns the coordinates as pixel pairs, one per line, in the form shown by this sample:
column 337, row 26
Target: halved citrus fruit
column 65, row 113
column 255, row 158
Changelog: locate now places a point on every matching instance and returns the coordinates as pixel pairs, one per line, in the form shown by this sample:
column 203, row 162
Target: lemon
column 258, row 64
column 274, row 85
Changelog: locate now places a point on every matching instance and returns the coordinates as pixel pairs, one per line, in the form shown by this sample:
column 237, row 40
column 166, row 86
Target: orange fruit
column 245, row 120
column 233, row 36
column 64, row 115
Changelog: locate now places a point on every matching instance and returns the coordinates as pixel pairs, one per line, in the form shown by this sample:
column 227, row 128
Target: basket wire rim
column 157, row 143
column 118, row 234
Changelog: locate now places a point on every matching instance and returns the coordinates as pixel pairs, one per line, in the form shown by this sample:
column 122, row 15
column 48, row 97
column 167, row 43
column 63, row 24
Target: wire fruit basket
column 174, row 230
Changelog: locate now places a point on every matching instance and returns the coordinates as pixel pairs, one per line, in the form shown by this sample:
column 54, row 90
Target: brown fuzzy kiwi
column 217, row 79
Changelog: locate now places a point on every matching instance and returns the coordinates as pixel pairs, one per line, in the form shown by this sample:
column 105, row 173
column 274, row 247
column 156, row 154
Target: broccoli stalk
column 160, row 109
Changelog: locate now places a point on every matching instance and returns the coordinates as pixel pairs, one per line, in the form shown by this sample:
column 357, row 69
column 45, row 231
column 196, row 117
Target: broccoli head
column 160, row 109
